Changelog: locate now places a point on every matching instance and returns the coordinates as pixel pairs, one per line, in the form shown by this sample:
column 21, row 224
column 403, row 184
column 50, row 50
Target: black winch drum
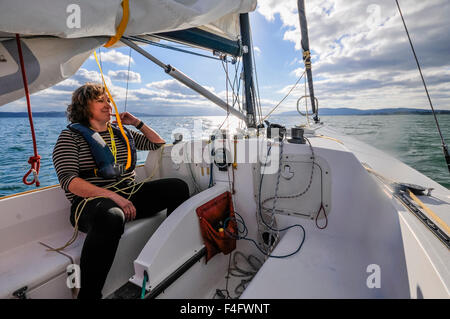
column 297, row 136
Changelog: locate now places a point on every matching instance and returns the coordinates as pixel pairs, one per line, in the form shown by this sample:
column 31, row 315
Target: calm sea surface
column 412, row 139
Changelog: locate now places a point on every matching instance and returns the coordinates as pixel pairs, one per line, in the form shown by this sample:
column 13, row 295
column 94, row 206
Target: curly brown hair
column 78, row 110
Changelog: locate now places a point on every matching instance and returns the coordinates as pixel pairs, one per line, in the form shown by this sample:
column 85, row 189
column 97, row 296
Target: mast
column 247, row 59
column 307, row 55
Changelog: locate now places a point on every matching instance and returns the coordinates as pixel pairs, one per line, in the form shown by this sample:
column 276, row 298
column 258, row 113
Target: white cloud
column 113, row 56
column 159, row 97
column 175, row 88
column 124, row 76
column 361, row 53
column 83, row 75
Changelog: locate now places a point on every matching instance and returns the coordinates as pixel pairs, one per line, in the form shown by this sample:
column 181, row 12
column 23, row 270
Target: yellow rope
column 431, row 214
column 119, row 121
column 235, row 153
column 122, row 25
column 83, row 203
column 330, row 138
column 306, row 56
column 113, row 147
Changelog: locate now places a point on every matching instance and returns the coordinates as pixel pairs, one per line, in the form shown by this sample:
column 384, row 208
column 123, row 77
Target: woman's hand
column 127, row 206
column 150, row 134
column 128, row 119
column 82, row 188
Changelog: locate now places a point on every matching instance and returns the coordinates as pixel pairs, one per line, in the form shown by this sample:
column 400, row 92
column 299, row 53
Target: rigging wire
column 166, row 46
column 128, row 78
column 293, row 87
column 233, row 91
column 238, row 83
column 444, row 146
column 227, row 79
column 257, row 97
column 237, row 78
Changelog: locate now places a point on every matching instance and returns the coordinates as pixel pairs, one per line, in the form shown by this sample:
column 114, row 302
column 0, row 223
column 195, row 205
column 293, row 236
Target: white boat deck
column 366, row 226
column 333, row 262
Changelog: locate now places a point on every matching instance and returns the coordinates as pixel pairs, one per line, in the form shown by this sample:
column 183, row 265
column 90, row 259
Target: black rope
column 444, row 146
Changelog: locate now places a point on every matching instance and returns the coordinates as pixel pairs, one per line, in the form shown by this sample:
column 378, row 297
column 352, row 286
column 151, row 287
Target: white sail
column 59, row 35
column 78, row 19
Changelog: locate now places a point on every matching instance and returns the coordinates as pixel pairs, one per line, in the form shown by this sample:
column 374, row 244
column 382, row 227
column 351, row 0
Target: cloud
column 361, row 53
column 175, row 88
column 113, row 56
column 124, row 76
column 68, row 84
column 83, row 75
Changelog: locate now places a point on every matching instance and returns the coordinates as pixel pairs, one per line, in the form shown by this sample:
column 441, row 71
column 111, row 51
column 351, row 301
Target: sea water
column 413, row 139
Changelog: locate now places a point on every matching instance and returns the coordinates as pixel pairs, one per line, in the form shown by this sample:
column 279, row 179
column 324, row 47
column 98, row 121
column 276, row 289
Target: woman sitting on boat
column 92, row 154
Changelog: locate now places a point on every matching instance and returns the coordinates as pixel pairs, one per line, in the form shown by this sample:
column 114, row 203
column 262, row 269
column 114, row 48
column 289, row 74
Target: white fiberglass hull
column 372, row 247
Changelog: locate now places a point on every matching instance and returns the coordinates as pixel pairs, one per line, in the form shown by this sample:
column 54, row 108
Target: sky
column 361, row 59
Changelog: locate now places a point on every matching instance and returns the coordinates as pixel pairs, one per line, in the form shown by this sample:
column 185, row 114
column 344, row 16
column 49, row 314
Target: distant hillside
column 35, row 114
column 388, row 111
column 63, row 114
column 322, row 111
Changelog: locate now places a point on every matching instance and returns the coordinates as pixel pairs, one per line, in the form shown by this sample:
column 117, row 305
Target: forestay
column 59, row 35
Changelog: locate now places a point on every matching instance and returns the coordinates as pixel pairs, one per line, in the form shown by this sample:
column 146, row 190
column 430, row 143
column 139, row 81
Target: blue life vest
column 104, row 159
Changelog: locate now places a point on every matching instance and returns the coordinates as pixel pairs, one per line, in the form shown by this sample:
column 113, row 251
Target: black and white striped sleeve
column 66, row 158
column 143, row 144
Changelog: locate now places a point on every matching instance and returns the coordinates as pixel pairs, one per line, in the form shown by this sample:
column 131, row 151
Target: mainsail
column 59, row 35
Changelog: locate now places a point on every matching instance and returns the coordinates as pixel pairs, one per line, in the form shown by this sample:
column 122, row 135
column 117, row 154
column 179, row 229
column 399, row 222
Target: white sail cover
column 59, row 35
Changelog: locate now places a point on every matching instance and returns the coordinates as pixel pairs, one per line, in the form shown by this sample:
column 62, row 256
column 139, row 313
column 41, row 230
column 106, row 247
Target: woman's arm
column 82, row 188
column 66, row 162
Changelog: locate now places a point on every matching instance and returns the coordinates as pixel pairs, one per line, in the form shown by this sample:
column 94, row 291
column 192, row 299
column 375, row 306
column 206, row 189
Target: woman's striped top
column 72, row 155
